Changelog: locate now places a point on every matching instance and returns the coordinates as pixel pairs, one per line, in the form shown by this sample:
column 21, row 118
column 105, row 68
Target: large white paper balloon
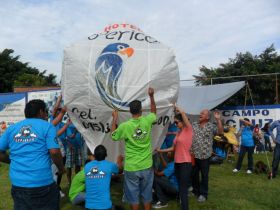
column 108, row 70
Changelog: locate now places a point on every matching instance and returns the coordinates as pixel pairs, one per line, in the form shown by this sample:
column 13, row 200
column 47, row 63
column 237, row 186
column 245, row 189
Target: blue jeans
column 36, row 198
column 242, row 153
column 276, row 159
column 138, row 183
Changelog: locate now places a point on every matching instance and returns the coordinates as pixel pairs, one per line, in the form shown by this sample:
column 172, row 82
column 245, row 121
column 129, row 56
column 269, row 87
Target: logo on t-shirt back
column 94, row 173
column 25, row 135
column 139, row 134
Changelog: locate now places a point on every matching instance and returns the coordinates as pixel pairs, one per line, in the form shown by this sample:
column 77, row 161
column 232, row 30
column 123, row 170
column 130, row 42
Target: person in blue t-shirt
column 219, row 152
column 74, row 152
column 246, row 145
column 165, row 183
column 56, row 117
column 32, row 143
column 98, row 178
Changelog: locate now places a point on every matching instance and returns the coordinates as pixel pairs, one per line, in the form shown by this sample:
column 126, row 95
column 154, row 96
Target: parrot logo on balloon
column 108, row 69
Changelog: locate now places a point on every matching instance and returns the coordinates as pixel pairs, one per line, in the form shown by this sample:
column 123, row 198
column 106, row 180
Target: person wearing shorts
column 74, row 153
column 138, row 172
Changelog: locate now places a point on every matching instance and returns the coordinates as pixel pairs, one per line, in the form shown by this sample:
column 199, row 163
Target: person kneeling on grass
column 165, row 182
column 77, row 194
column 98, row 178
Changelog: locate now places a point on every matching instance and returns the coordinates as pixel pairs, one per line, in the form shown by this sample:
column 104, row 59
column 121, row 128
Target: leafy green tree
column 28, row 80
column 263, row 88
column 16, row 73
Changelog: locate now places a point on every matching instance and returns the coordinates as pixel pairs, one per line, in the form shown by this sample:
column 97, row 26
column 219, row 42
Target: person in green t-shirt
column 136, row 132
column 77, row 190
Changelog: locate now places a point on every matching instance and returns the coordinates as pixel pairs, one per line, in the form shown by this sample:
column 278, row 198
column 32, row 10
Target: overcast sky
column 200, row 32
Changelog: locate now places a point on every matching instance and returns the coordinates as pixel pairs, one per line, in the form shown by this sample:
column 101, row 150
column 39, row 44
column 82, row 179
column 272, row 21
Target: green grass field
column 226, row 190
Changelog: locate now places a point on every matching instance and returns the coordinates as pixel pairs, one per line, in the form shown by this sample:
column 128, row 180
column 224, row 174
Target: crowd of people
column 40, row 149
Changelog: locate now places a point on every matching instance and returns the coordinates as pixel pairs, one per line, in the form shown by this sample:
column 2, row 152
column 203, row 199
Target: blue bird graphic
column 108, row 68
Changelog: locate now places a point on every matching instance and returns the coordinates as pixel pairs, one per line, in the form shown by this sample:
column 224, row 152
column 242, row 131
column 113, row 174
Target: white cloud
column 200, row 32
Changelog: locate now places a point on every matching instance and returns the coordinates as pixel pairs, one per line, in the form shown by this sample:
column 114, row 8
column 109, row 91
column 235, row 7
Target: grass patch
column 227, row 191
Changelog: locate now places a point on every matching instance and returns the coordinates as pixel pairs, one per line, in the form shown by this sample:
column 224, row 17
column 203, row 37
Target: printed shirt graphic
column 137, row 136
column 29, row 142
column 203, row 140
column 98, row 177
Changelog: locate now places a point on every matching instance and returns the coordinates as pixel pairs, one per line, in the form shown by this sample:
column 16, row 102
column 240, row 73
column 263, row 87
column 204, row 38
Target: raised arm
column 184, row 116
column 247, row 123
column 63, row 129
column 59, row 116
column 115, row 120
column 152, row 99
column 217, row 117
column 56, row 106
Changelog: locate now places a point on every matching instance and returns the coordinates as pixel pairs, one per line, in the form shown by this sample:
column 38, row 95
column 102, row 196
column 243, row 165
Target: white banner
column 256, row 114
column 48, row 96
column 12, row 107
column 110, row 69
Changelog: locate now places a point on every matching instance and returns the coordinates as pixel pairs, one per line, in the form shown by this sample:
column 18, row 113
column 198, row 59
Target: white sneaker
column 62, row 195
column 160, row 205
column 249, row 171
column 201, row 199
column 235, row 170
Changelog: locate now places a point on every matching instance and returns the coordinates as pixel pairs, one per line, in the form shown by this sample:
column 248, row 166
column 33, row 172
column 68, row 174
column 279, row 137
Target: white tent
column 195, row 99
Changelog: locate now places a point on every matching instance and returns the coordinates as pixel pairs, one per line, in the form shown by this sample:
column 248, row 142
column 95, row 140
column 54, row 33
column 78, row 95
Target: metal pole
column 241, row 76
column 276, row 89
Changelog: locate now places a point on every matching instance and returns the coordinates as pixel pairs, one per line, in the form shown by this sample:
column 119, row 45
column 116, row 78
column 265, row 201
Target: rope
column 246, row 92
column 250, row 94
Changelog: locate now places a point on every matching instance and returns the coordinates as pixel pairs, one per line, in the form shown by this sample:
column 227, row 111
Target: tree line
column 263, row 88
column 14, row 73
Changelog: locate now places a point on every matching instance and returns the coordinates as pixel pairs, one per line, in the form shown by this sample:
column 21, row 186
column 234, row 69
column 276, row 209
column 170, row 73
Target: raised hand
column 151, row 92
column 115, row 114
column 217, row 115
column 178, row 109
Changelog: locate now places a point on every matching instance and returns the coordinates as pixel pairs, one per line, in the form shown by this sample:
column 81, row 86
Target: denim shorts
column 138, row 184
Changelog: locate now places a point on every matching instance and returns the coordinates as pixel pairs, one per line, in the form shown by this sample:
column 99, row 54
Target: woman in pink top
column 182, row 145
